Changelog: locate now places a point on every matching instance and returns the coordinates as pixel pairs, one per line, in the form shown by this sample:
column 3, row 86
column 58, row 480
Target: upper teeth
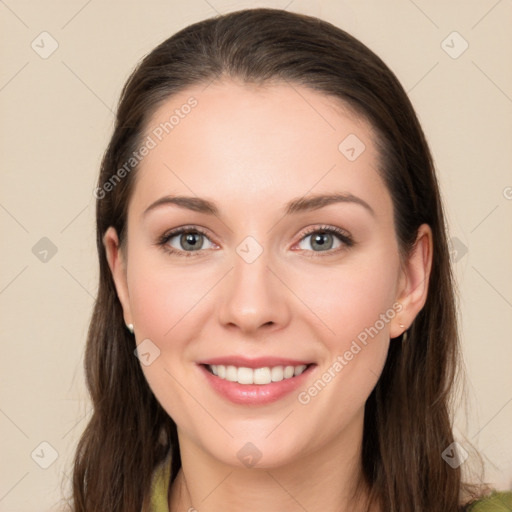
column 264, row 375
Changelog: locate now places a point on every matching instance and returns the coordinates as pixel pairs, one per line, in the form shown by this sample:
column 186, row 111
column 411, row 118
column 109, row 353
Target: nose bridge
column 252, row 295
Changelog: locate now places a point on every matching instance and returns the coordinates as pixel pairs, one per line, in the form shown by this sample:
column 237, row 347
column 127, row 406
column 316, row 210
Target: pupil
column 320, row 240
column 191, row 240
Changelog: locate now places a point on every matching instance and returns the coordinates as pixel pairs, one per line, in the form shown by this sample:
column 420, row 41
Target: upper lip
column 258, row 362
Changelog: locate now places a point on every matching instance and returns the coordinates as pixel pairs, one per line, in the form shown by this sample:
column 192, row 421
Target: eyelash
column 346, row 239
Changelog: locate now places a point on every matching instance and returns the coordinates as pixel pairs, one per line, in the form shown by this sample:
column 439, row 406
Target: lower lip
column 255, row 394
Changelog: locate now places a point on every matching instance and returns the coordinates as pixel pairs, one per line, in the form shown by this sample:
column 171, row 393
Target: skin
column 251, row 149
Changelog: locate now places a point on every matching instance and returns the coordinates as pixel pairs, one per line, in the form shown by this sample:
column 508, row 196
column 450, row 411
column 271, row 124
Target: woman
column 275, row 326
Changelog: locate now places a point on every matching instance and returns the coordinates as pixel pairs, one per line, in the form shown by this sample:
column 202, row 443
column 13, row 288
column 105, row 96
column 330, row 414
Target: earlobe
column 415, row 280
column 116, row 262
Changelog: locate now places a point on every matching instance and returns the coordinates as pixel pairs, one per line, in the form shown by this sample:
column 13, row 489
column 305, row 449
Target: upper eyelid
column 171, row 233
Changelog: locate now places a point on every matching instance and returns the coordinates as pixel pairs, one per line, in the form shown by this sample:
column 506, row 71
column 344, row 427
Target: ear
column 117, row 263
column 414, row 279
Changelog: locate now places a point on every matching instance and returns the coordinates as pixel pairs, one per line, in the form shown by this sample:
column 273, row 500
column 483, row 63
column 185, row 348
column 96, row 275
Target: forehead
column 245, row 143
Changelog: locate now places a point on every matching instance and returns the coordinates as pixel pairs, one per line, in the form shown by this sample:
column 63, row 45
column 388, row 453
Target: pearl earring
column 404, row 334
column 130, row 327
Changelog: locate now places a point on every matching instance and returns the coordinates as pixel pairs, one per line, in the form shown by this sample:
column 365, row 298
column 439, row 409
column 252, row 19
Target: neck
column 315, row 482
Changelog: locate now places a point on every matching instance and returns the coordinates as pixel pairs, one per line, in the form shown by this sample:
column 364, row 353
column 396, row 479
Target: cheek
column 355, row 305
column 167, row 306
column 160, row 297
column 164, row 305
column 350, row 298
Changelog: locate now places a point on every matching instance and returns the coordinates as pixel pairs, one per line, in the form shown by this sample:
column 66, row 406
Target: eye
column 184, row 241
column 189, row 240
column 326, row 239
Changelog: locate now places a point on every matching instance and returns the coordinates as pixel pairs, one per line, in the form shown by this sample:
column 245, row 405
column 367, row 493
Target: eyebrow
column 298, row 205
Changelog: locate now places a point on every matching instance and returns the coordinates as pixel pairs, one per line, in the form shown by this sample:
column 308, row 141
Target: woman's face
column 260, row 279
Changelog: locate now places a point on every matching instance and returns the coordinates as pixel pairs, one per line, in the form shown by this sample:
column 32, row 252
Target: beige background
column 57, row 116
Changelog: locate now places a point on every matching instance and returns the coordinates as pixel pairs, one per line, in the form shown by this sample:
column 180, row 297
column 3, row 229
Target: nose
column 253, row 297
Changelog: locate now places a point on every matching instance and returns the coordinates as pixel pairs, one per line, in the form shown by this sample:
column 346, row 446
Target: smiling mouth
column 263, row 375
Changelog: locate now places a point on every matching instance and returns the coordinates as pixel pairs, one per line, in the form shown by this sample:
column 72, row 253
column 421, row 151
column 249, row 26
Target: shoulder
column 159, row 487
column 495, row 502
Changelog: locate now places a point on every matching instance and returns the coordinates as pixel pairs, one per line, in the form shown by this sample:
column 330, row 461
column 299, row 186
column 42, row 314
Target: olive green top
column 159, row 487
column 495, row 502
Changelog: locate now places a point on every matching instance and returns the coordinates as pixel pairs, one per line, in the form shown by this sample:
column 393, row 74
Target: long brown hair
column 408, row 414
